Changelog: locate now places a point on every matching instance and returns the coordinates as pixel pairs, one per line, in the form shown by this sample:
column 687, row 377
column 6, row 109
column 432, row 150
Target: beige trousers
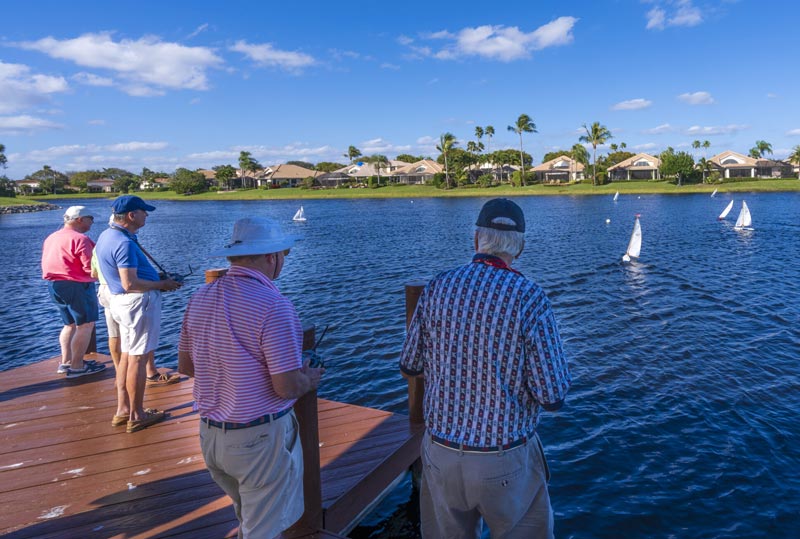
column 261, row 469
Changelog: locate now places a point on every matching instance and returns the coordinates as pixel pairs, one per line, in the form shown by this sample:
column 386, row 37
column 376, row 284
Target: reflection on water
column 682, row 418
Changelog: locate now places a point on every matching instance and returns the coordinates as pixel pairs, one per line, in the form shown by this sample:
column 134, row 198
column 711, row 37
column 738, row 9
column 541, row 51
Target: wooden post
column 307, row 417
column 214, row 274
column 416, row 386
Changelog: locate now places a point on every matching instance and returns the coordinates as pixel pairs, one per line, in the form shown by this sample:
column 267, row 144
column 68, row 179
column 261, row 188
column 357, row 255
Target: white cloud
column 266, row 55
column 404, row 40
column 148, row 64
column 24, row 124
column 656, row 18
column 288, row 152
column 658, row 130
column 770, row 95
column 90, row 79
column 378, row 145
column 793, row 132
column 686, row 15
column 673, row 13
column 22, row 89
column 427, row 141
column 136, row 146
column 387, row 65
column 645, row 146
column 697, row 98
column 96, row 122
column 632, row 104
column 199, row 30
column 715, row 130
column 495, row 42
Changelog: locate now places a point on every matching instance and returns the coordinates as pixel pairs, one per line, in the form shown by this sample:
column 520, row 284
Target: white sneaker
column 88, row 368
column 64, row 367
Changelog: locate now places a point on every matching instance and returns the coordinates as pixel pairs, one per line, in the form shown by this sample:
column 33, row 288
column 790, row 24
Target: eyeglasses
column 88, row 217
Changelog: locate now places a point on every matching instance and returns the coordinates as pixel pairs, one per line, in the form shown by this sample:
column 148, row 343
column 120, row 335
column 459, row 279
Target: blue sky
column 168, row 84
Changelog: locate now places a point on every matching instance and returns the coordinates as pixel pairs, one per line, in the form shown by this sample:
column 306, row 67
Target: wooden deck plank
column 71, row 474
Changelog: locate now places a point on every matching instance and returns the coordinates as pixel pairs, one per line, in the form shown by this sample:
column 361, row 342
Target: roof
column 567, row 164
column 628, row 163
column 291, row 172
column 428, row 166
column 209, row 174
column 742, row 160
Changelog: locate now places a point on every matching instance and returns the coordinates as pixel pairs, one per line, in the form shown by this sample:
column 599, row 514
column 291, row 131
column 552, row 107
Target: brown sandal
column 151, row 417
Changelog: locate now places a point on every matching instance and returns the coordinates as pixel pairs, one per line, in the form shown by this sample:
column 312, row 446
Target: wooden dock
column 65, row 472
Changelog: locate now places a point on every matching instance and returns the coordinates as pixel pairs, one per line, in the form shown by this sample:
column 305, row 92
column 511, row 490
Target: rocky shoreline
column 28, row 208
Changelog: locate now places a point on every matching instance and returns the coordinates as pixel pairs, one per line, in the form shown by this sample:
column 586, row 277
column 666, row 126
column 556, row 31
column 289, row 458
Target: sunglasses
column 286, row 252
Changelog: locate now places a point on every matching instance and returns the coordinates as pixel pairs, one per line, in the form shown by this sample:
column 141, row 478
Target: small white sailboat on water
column 300, row 215
column 714, row 193
column 726, row 211
column 635, row 243
column 744, row 221
column 616, row 196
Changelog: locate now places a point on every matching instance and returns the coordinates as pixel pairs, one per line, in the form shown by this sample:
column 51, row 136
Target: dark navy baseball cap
column 127, row 203
column 501, row 214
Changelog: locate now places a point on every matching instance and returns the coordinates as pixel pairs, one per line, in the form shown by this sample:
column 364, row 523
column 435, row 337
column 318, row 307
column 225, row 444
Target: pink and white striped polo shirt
column 239, row 330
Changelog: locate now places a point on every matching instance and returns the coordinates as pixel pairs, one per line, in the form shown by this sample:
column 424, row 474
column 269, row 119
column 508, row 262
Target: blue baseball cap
column 501, row 214
column 127, row 203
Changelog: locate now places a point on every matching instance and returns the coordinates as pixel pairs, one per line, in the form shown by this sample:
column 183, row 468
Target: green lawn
column 423, row 191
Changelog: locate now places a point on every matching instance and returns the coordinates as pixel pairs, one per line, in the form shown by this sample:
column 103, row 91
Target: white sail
column 726, row 211
column 635, row 244
column 300, row 215
column 616, row 196
column 744, row 220
column 714, row 193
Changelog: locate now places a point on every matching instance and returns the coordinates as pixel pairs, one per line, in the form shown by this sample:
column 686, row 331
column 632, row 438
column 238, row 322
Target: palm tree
column 794, row 157
column 248, row 164
column 446, row 142
column 479, row 132
column 763, row 148
column 613, row 147
column 3, row 159
column 378, row 161
column 598, row 134
column 352, row 154
column 489, row 132
column 524, row 125
column 579, row 155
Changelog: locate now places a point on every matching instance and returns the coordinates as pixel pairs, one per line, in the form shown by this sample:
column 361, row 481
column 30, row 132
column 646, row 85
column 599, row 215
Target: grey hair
column 499, row 242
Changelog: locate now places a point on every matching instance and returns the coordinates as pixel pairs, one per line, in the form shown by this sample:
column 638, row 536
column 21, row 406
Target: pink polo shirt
column 67, row 256
column 240, row 330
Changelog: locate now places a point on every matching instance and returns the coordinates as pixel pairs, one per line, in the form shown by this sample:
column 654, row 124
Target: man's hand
column 314, row 374
column 169, row 284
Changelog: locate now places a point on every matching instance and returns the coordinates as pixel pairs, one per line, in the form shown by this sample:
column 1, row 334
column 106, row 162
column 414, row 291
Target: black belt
column 227, row 425
column 490, row 449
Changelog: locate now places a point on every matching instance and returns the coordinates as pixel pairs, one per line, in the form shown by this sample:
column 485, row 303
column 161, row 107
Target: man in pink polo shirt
column 66, row 265
column 242, row 342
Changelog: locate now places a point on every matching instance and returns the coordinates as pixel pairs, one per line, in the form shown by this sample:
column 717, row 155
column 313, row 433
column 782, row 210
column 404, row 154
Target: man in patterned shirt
column 486, row 341
column 242, row 342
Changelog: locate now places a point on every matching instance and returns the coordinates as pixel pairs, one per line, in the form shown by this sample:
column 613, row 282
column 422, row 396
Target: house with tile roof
column 420, row 172
column 732, row 164
column 100, row 185
column 286, row 175
column 562, row 169
column 641, row 166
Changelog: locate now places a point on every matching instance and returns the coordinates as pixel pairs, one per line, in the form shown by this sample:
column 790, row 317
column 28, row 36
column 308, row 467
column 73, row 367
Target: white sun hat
column 256, row 236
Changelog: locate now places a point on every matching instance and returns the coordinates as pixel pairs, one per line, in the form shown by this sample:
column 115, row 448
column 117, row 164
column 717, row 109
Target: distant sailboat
column 616, row 196
column 714, row 193
column 744, row 220
column 726, row 211
column 300, row 215
column 635, row 245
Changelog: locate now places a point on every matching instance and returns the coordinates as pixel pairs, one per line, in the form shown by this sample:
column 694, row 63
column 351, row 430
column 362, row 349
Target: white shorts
column 139, row 318
column 104, row 297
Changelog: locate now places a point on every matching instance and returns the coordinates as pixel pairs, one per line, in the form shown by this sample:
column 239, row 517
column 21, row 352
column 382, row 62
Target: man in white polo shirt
column 242, row 342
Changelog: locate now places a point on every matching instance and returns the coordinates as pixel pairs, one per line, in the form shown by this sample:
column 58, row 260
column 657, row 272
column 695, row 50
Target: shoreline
column 40, row 203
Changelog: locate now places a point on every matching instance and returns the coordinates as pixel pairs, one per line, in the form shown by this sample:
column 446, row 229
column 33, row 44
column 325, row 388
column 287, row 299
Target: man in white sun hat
column 66, row 265
column 242, row 342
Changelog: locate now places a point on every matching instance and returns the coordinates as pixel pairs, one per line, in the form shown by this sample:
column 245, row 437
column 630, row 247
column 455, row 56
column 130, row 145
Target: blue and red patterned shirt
column 487, row 342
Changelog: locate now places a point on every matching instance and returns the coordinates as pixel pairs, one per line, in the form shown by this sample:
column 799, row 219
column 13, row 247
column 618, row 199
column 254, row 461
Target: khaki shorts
column 104, row 297
column 139, row 317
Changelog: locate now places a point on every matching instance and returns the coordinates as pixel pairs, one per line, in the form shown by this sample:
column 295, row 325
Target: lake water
column 682, row 420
